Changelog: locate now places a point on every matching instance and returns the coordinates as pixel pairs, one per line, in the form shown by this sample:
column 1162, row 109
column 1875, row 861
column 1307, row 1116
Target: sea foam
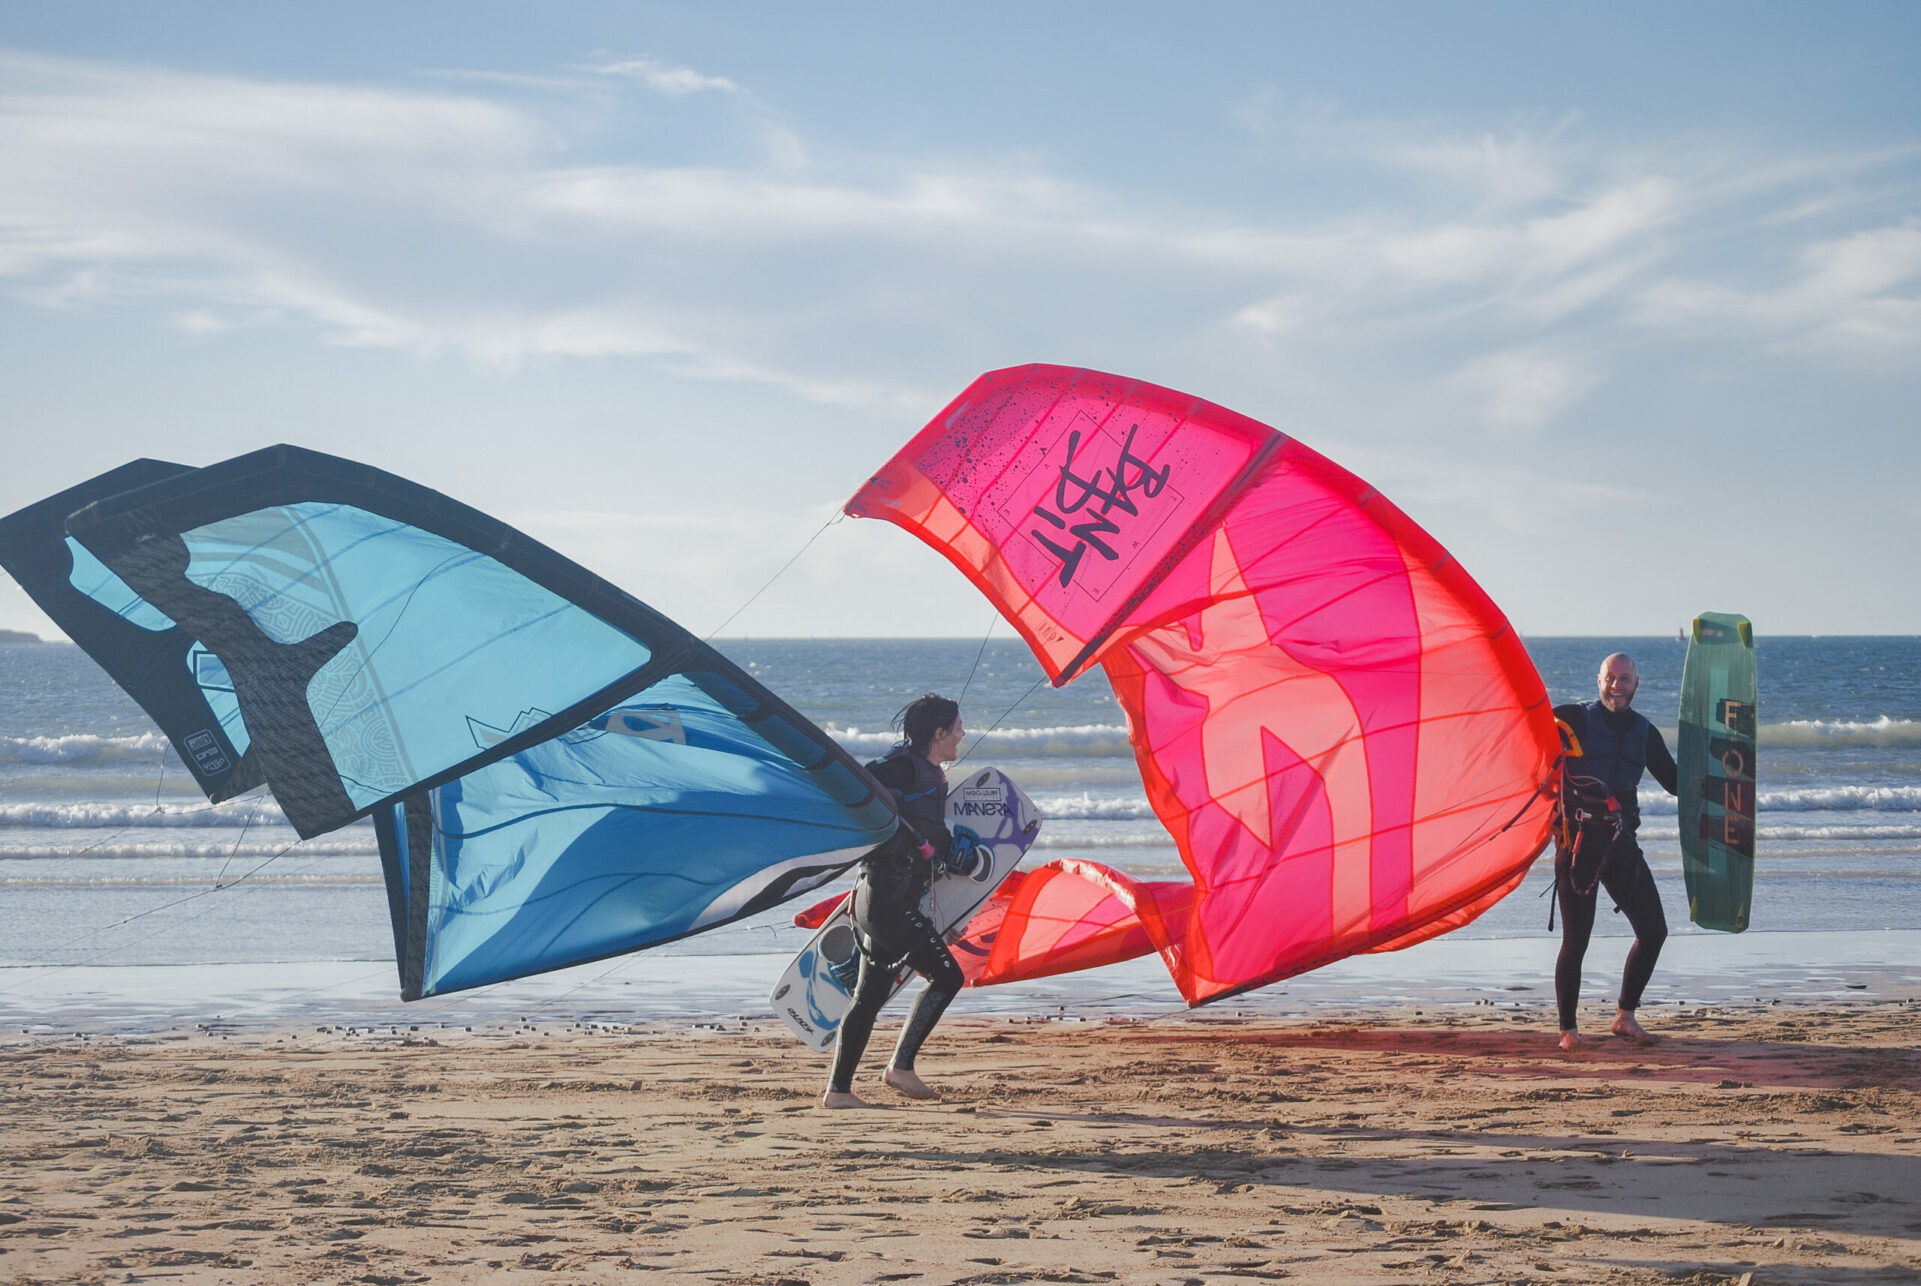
column 252, row 812
column 82, row 747
column 1842, row 732
column 1075, row 741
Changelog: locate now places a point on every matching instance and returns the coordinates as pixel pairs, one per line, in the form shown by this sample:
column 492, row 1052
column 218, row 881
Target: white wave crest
column 1125, row 839
column 1842, row 732
column 348, row 847
column 251, row 813
column 297, row 880
column 1089, row 807
column 1072, row 741
column 81, row 747
column 1821, row 799
column 1765, row 832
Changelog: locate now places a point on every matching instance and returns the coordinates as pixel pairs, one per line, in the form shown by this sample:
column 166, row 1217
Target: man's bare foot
column 908, row 1083
column 1571, row 1040
column 842, row 1098
column 1628, row 1029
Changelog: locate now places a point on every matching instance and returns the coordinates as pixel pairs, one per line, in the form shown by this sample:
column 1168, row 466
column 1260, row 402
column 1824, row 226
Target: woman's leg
column 935, row 962
column 870, row 993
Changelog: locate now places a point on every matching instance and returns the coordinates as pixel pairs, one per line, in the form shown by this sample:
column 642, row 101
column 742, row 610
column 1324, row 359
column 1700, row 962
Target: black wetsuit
column 893, row 932
column 1599, row 801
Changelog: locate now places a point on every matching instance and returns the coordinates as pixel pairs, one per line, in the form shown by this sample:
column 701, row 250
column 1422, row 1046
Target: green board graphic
column 1717, row 772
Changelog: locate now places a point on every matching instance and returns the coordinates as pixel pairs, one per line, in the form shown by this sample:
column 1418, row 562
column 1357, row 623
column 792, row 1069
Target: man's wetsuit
column 1596, row 848
column 888, row 921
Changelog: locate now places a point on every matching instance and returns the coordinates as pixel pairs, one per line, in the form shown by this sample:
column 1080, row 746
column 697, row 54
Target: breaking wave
column 1074, row 741
column 1821, row 799
column 1124, row 839
column 1842, row 732
column 82, row 747
column 297, row 880
column 1088, row 807
column 252, row 813
column 1766, row 832
column 354, row 844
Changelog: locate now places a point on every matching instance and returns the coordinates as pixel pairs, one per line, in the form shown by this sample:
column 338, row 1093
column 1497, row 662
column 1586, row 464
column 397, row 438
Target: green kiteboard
column 1717, row 771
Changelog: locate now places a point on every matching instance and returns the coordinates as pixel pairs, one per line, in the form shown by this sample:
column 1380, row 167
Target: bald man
column 1595, row 846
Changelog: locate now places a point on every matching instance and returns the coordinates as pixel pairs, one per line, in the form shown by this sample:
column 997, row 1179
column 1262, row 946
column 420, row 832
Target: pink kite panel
column 1347, row 742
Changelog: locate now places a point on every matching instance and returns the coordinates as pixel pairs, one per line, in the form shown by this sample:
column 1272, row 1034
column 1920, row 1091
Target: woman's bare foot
column 908, row 1083
column 843, row 1098
column 1571, row 1040
column 1628, row 1029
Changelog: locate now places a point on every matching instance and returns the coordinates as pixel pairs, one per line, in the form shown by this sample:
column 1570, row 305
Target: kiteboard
column 815, row 990
column 1717, row 771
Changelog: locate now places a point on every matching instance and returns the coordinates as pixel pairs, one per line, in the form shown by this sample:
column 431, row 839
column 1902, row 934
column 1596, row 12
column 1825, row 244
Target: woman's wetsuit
column 1617, row 746
column 888, row 921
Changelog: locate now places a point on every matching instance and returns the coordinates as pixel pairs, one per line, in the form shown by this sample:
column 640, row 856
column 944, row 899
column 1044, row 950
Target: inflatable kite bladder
column 1344, row 736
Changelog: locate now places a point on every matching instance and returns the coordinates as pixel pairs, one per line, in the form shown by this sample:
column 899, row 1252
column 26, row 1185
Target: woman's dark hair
column 923, row 717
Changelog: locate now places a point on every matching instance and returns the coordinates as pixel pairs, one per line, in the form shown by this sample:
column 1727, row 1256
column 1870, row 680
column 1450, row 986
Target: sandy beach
column 1776, row 1144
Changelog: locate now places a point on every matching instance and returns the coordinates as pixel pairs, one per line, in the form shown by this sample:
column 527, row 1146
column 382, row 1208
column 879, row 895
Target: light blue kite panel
column 96, row 580
column 665, row 816
column 448, row 639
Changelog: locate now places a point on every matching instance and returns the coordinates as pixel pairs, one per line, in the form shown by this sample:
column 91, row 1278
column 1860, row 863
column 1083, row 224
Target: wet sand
column 1770, row 1145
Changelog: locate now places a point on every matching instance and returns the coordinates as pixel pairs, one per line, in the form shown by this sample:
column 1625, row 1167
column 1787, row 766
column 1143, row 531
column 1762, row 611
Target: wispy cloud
column 1855, row 298
column 1520, row 390
column 665, row 78
column 455, row 223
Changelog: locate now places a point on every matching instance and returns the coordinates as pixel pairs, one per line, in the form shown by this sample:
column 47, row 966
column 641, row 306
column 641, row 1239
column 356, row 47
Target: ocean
column 125, row 899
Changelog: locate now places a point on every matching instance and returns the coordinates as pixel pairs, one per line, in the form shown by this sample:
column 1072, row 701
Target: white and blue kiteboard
column 811, row 998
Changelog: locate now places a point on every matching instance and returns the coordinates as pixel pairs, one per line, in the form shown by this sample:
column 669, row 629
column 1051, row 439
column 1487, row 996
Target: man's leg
column 1631, row 885
column 1577, row 925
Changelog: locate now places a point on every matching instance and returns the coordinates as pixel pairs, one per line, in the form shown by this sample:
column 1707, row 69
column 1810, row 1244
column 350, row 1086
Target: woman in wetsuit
column 886, row 907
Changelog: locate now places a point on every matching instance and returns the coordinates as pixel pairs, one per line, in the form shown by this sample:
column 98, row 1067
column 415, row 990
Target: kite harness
column 1600, row 768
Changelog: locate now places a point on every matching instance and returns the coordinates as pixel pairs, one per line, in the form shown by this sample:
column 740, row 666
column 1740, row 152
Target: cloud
column 1517, row 391
column 1520, row 163
column 665, row 78
column 697, row 567
column 1523, row 501
column 455, row 223
column 1856, row 298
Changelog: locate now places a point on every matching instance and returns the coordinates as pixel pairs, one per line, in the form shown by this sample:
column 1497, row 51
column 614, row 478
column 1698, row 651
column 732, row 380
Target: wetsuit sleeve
column 1661, row 763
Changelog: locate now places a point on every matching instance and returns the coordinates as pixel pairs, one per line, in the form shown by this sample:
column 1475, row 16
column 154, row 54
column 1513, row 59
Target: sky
column 1621, row 302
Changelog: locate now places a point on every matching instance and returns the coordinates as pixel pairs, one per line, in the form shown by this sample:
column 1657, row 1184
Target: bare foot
column 908, row 1083
column 1626, row 1028
column 1571, row 1041
column 842, row 1098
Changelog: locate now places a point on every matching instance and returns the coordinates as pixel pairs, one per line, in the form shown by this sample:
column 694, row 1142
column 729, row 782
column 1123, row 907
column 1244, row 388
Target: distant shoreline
column 19, row 636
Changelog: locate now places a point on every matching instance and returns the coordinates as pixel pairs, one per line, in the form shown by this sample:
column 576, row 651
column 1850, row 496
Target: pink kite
column 1346, row 739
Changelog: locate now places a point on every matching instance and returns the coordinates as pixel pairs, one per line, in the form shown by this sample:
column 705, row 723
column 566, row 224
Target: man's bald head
column 1618, row 681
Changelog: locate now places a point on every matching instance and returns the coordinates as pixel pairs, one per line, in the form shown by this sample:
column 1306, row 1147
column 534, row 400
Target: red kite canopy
column 1346, row 739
